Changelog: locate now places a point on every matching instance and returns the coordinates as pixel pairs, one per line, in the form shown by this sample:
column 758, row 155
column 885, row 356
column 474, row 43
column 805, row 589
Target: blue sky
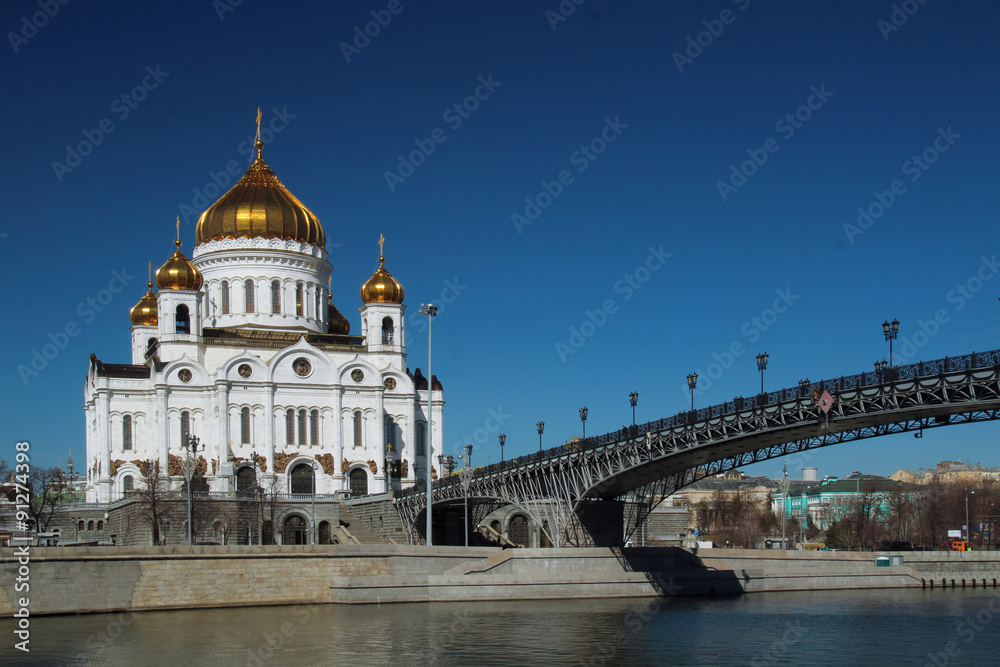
column 654, row 176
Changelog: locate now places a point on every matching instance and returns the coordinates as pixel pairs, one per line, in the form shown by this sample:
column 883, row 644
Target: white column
column 222, row 401
column 269, row 426
column 104, row 439
column 163, row 428
column 337, row 433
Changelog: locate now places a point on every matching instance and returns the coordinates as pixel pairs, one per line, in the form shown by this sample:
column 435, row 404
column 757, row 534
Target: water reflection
column 823, row 627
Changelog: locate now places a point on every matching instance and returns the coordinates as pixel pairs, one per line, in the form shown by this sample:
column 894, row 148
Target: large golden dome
column 178, row 273
column 144, row 313
column 381, row 287
column 259, row 205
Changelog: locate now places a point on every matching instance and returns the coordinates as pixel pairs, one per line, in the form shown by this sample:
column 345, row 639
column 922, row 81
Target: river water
column 867, row 627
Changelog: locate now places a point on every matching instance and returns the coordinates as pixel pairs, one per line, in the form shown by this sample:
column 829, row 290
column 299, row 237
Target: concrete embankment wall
column 84, row 580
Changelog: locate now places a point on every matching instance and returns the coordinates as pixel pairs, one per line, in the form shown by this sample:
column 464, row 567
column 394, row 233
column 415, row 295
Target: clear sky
column 661, row 178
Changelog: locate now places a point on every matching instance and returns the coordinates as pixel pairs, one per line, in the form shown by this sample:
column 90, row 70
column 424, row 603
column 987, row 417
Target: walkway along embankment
column 102, row 579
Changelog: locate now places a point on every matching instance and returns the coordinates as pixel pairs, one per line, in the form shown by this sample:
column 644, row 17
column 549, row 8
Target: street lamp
column 191, row 446
column 804, row 386
column 466, row 475
column 431, row 311
column 761, row 365
column 503, row 438
column 968, row 528
column 583, row 418
column 692, row 383
column 880, row 367
column 891, row 330
column 541, row 427
column 633, row 398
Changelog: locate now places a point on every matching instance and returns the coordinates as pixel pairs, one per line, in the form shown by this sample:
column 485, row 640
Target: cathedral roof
column 259, row 206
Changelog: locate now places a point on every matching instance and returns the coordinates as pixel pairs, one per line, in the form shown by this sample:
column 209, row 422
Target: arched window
column 298, row 299
column 182, row 320
column 127, row 432
column 275, row 296
column 90, row 525
column 289, row 426
column 81, row 526
column 185, row 427
column 225, row 297
column 357, row 428
column 302, row 427
column 421, row 436
column 245, row 425
column 390, row 433
column 248, row 295
column 388, row 334
column 359, row 482
column 127, row 484
column 100, row 525
column 314, row 427
column 319, row 302
column 302, row 478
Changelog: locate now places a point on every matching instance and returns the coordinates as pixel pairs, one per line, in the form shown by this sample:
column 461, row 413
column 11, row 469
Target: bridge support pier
column 597, row 523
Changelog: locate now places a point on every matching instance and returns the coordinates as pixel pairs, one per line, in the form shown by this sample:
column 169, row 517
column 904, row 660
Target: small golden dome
column 338, row 324
column 382, row 287
column 259, row 205
column 178, row 273
column 144, row 313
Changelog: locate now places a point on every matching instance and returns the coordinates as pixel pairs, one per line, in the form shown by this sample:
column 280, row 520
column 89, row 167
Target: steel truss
column 643, row 465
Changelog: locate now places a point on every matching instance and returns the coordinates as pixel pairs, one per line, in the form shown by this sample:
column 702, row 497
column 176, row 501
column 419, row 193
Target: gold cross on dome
column 381, row 240
column 258, row 123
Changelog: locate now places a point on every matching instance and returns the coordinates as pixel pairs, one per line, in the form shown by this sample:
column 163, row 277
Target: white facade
column 251, row 370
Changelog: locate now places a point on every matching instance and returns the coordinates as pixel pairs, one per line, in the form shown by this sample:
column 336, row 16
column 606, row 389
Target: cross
column 258, row 123
column 381, row 240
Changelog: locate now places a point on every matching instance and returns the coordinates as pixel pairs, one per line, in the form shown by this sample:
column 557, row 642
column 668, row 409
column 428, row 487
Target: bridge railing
column 913, row 371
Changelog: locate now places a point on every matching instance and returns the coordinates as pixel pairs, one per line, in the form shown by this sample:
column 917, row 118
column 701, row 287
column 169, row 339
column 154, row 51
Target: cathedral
column 243, row 368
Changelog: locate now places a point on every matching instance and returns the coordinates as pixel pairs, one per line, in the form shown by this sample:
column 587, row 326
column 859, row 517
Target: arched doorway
column 246, row 480
column 359, row 482
column 302, row 478
column 517, row 531
column 324, row 532
column 543, row 536
column 296, row 530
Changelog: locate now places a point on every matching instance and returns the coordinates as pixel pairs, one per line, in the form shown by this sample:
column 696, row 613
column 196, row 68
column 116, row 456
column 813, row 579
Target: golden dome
column 338, row 324
column 382, row 287
column 144, row 313
column 259, row 205
column 178, row 273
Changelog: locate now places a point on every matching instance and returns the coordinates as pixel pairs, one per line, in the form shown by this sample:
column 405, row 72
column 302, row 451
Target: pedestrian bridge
column 581, row 489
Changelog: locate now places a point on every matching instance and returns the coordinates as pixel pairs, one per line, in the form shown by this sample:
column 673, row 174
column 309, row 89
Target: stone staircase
column 355, row 531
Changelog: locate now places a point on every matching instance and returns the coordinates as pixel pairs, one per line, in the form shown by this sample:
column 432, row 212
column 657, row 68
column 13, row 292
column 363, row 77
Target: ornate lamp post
column 761, row 365
column 431, row 311
column 804, row 386
column 503, row 438
column 583, row 418
column 880, row 367
column 541, row 428
column 191, row 446
column 891, row 330
column 633, row 398
column 466, row 474
column 692, row 383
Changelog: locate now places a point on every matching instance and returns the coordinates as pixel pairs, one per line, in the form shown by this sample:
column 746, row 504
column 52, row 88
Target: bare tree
column 47, row 489
column 154, row 497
